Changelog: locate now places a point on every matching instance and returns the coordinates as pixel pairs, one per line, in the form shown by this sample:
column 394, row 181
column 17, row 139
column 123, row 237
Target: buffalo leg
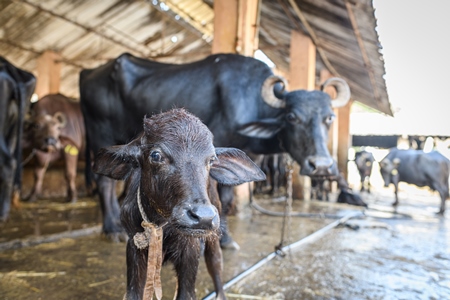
column 443, row 193
column 6, row 188
column 362, row 184
column 396, row 195
column 275, row 174
column 110, row 207
column 214, row 263
column 39, row 173
column 186, row 269
column 71, row 174
column 226, row 198
column 136, row 271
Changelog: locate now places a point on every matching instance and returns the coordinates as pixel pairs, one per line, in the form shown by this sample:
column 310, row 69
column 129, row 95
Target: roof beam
column 314, row 38
column 34, row 51
column 206, row 30
column 89, row 29
column 365, row 57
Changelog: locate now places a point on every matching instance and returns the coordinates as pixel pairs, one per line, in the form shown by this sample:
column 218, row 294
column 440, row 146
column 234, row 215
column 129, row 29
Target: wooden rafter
column 314, row 38
column 88, row 29
column 365, row 57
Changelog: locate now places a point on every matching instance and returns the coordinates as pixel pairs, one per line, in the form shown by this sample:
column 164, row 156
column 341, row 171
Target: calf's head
column 364, row 161
column 172, row 162
column 303, row 123
column 389, row 171
column 44, row 131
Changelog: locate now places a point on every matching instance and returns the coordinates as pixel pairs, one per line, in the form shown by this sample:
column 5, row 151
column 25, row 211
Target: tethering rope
column 150, row 238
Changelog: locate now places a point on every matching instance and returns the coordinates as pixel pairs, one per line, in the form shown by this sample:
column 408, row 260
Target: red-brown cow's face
column 45, row 131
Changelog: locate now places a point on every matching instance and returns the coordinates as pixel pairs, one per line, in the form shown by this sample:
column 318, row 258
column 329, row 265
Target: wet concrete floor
column 380, row 255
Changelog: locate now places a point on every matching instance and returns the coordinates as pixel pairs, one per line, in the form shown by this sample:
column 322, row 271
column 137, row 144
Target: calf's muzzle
column 197, row 217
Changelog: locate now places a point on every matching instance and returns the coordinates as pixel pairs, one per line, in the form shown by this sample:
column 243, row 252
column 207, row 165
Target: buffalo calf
column 171, row 170
column 364, row 163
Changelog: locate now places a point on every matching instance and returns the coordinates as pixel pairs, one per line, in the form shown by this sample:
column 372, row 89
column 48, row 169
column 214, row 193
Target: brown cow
column 172, row 199
column 56, row 131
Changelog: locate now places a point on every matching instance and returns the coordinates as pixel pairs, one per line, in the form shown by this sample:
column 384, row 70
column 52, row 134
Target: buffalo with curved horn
column 237, row 97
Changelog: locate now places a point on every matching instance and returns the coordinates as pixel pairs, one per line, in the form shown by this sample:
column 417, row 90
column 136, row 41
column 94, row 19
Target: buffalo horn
column 267, row 91
column 342, row 90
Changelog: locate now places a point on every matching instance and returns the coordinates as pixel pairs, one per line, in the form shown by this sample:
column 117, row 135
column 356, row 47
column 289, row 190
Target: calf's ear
column 117, row 162
column 234, row 167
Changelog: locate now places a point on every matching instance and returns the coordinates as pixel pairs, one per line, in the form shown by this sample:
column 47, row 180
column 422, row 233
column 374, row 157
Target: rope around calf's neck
column 150, row 238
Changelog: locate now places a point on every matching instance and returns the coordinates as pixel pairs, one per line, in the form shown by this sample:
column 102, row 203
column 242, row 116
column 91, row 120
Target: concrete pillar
column 48, row 73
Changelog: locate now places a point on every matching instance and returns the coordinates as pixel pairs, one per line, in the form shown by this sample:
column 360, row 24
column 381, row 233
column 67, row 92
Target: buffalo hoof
column 229, row 243
column 30, row 198
column 114, row 232
column 72, row 199
column 116, row 237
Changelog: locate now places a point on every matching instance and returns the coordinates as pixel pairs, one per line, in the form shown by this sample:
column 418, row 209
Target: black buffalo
column 172, row 169
column 364, row 163
column 16, row 89
column 419, row 168
column 238, row 98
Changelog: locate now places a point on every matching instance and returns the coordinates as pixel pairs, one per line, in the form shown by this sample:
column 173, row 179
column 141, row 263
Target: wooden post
column 236, row 31
column 248, row 23
column 344, row 137
column 225, row 26
column 302, row 76
column 48, row 73
column 333, row 134
column 303, row 62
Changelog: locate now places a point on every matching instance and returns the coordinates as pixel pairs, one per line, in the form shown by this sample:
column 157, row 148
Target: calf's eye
column 156, row 156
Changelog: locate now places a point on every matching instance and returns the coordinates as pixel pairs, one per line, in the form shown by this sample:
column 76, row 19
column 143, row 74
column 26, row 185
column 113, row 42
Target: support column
column 333, row 133
column 48, row 73
column 225, row 26
column 248, row 24
column 302, row 76
column 236, row 25
column 344, row 142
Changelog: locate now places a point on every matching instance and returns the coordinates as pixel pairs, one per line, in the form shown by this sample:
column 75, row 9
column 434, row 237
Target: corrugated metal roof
column 87, row 33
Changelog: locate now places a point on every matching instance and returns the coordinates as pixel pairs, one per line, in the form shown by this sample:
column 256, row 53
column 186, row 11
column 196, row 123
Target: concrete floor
column 383, row 255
